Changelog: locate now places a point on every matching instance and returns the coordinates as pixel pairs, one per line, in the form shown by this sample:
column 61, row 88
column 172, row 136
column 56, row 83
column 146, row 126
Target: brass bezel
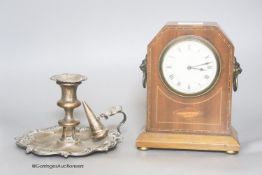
column 198, row 39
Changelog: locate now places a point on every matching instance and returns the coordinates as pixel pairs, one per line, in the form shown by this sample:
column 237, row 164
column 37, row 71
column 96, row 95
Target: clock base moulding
column 225, row 143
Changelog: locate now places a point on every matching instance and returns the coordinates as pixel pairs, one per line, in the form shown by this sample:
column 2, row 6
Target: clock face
column 189, row 66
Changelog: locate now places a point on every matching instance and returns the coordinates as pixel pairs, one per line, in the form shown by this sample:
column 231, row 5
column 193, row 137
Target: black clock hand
column 190, row 67
column 202, row 64
column 201, row 69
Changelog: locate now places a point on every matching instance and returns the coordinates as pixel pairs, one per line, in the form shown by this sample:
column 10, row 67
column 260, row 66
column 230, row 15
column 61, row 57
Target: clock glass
column 189, row 65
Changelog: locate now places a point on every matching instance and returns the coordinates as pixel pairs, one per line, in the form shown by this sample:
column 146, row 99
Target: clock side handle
column 237, row 70
column 143, row 69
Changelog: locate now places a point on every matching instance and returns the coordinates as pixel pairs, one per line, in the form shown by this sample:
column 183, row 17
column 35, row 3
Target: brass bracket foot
column 231, row 152
column 142, row 148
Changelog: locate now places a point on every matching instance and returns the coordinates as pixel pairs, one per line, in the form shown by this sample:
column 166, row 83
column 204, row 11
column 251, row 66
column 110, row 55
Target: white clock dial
column 189, row 65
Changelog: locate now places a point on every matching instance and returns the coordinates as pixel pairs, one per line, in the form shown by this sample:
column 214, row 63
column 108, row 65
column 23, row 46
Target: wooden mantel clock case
column 189, row 71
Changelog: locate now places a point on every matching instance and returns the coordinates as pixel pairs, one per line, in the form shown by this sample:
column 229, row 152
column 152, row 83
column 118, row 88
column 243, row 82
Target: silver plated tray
column 46, row 142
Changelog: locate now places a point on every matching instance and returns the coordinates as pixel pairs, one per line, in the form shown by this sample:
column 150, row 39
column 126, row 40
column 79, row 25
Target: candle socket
column 68, row 101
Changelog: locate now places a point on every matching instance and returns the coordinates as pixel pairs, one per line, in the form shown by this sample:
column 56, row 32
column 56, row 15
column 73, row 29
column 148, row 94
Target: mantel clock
column 190, row 71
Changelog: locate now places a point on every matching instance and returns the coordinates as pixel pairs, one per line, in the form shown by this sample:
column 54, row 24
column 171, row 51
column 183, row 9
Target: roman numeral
column 172, row 76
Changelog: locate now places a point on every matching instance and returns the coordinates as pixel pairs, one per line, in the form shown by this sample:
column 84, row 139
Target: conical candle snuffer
column 98, row 130
column 67, row 138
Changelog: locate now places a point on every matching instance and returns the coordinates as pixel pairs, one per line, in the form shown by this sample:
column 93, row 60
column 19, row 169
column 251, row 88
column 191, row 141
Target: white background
column 107, row 40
